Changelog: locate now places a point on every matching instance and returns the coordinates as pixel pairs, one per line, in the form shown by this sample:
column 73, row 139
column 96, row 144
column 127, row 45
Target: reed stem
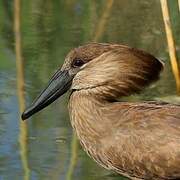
column 171, row 44
column 20, row 88
column 73, row 160
column 103, row 20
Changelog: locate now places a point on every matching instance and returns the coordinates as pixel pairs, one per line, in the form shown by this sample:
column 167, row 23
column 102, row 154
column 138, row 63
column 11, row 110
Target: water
column 49, row 29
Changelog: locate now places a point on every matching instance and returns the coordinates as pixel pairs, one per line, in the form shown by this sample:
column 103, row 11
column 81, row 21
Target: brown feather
column 118, row 68
column 137, row 140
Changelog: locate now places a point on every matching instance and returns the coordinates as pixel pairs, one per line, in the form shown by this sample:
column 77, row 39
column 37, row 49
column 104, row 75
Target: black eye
column 77, row 63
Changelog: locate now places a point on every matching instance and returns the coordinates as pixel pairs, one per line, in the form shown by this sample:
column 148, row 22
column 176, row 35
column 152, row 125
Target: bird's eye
column 77, row 63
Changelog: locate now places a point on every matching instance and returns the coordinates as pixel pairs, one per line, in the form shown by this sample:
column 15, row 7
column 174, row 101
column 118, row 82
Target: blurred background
column 35, row 36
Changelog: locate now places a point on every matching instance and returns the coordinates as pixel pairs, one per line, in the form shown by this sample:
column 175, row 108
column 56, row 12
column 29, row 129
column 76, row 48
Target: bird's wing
column 146, row 139
column 146, row 115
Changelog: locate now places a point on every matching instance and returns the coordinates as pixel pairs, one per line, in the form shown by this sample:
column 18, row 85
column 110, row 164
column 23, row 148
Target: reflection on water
column 49, row 29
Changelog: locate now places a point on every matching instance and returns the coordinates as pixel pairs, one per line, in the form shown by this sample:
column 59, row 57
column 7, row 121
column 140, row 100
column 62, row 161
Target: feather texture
column 138, row 140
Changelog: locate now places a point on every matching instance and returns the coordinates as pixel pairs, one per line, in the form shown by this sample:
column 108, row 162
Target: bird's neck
column 87, row 113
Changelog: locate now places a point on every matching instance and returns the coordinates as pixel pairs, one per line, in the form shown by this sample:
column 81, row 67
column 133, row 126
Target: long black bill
column 58, row 85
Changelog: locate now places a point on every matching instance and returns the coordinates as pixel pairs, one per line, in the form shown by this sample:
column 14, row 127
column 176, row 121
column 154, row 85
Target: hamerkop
column 140, row 140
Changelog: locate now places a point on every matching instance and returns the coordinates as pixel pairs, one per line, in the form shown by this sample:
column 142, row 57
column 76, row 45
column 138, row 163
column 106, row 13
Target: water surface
column 46, row 147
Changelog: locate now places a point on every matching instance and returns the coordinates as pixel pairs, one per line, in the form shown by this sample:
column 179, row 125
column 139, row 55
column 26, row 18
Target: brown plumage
column 138, row 140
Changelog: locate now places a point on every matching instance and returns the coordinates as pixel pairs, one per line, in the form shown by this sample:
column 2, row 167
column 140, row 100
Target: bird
column 138, row 140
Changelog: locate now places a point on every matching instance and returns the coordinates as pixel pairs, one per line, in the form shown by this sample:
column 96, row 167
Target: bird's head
column 107, row 70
